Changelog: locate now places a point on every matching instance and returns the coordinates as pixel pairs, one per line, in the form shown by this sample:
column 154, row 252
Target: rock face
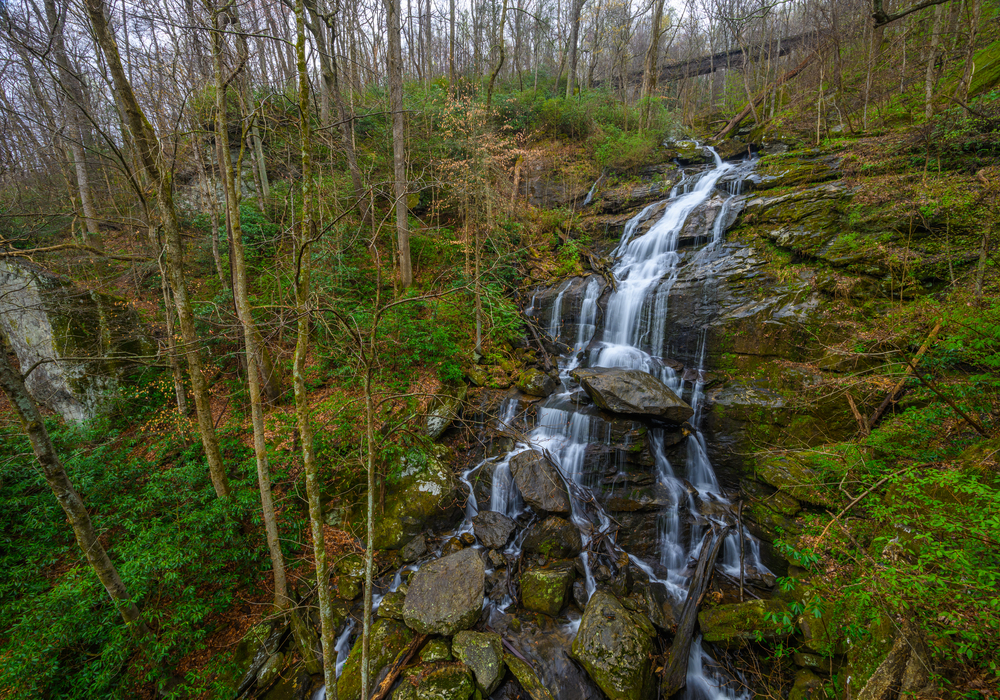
column 554, row 537
column 446, row 595
column 493, row 529
column 443, row 411
column 744, row 621
column 539, row 482
column 546, row 590
column 388, row 638
column 483, row 653
column 424, row 496
column 535, row 383
column 614, row 646
column 632, row 391
column 46, row 318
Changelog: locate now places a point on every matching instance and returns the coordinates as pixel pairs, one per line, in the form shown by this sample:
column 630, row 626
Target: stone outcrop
column 632, row 391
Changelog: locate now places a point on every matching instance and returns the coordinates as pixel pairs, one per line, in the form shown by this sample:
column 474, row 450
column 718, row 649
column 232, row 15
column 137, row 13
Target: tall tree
column 651, row 67
column 159, row 174
column 576, row 8
column 394, row 76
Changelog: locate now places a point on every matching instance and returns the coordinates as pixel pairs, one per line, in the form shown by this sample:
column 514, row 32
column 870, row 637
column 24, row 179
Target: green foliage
column 622, row 151
column 259, row 233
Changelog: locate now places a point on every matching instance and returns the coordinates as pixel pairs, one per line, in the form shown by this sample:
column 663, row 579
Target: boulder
column 93, row 338
column 493, row 529
column 547, row 590
column 554, row 537
column 446, row 595
column 437, row 681
column 424, row 495
column 435, row 650
column 632, row 391
column 807, row 685
column 443, row 411
column 539, row 482
column 391, row 605
column 614, row 645
column 483, row 653
column 536, row 383
column 732, row 148
column 688, row 152
column 801, row 475
column 414, row 549
column 388, row 639
column 751, row 620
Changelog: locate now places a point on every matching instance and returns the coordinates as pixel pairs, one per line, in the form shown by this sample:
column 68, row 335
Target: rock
column 483, row 653
column 688, row 152
column 453, row 545
column 807, row 685
column 347, row 587
column 270, row 670
column 547, row 590
column 527, row 678
column 732, row 148
column 414, row 549
column 493, row 529
column 388, row 639
column 554, row 537
column 443, row 410
column 435, row 650
column 446, row 595
column 425, row 495
column 535, row 383
column 798, row 475
column 632, row 391
column 811, row 661
column 753, row 619
column 539, row 482
column 92, row 335
column 614, row 645
column 391, row 605
column 437, row 681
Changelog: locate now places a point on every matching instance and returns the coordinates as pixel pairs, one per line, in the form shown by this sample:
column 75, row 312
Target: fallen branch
column 404, row 657
column 893, row 396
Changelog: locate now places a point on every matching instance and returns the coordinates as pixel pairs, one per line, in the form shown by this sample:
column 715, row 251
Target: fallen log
column 897, row 390
column 675, row 673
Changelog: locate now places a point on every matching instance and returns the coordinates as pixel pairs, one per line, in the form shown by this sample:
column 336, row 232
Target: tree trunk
column 574, row 35
column 394, row 74
column 651, row 67
column 930, row 79
column 451, row 47
column 500, row 58
column 150, row 155
column 55, row 475
column 962, row 91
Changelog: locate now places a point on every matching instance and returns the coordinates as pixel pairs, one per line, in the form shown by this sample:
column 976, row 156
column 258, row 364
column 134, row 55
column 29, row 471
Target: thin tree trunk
column 451, row 47
column 394, row 66
column 150, row 155
column 12, row 384
column 930, row 79
column 962, row 90
column 651, row 67
column 574, row 35
column 500, row 58
column 265, row 185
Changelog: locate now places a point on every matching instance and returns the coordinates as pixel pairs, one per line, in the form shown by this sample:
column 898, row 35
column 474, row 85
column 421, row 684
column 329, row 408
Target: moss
column 806, row 475
column 527, row 678
column 388, row 639
column 749, row 621
column 546, row 590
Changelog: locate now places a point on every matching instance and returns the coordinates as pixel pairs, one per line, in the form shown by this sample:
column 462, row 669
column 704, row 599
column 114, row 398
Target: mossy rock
column 747, row 621
column 449, row 680
column 443, row 411
column 807, row 686
column 388, row 639
column 391, row 605
column 535, row 382
column 483, row 653
column 805, row 475
column 424, row 495
column 436, row 650
column 546, row 590
column 527, row 678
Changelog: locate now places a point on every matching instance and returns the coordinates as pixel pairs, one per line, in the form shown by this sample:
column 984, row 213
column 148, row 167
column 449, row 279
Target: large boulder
column 547, row 590
column 539, row 482
column 614, row 645
column 483, row 653
column 554, row 537
column 632, row 391
column 436, row 681
column 748, row 621
column 446, row 595
column 493, row 529
column 80, row 344
column 424, row 496
column 388, row 639
column 534, row 382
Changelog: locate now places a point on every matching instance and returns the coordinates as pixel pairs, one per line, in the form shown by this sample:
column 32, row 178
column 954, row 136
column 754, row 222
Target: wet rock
column 653, row 601
column 614, row 645
column 493, row 529
column 688, row 152
column 483, row 654
column 633, row 392
column 443, row 411
column 539, row 482
column 435, row 650
column 751, row 620
column 424, row 496
column 91, row 335
column 807, row 685
column 547, row 590
column 534, row 382
column 527, row 678
column 270, row 670
column 388, row 638
column 554, row 537
column 467, row 538
column 414, row 549
column 453, row 545
column 446, row 595
column 391, row 605
column 731, row 149
column 810, row 661
column 437, row 681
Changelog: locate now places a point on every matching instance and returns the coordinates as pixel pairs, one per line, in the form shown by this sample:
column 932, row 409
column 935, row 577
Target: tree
column 159, row 174
column 652, row 64
column 394, row 77
column 574, row 33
